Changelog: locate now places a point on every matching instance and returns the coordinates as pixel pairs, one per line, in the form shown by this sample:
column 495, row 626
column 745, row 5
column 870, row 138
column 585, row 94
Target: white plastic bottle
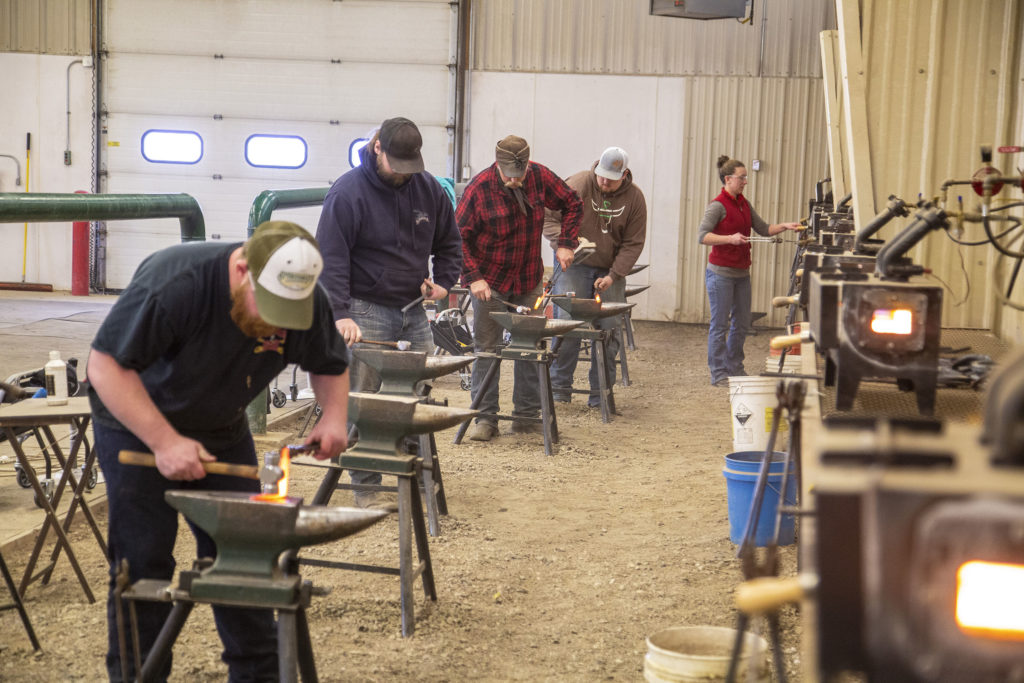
column 56, row 372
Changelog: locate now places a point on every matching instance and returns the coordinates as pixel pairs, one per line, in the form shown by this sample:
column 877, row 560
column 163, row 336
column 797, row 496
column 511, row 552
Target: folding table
column 38, row 416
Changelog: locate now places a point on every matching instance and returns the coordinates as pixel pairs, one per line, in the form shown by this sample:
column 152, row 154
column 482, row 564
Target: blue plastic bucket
column 740, row 472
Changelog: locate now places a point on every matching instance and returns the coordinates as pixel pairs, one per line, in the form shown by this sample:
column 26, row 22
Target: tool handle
column 780, row 301
column 214, row 467
column 786, row 341
column 769, row 593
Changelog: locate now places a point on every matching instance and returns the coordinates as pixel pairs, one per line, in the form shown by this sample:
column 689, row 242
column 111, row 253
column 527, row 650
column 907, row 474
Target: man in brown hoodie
column 615, row 220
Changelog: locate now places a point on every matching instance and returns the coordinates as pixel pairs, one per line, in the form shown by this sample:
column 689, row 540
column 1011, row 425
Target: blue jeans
column 142, row 529
column 383, row 323
column 729, row 298
column 580, row 279
column 487, row 334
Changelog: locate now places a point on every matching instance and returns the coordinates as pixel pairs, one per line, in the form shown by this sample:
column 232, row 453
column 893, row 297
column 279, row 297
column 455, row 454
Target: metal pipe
column 67, row 127
column 819, row 190
column 895, row 207
column 465, row 14
column 927, row 219
column 17, row 179
column 43, row 207
column 268, row 200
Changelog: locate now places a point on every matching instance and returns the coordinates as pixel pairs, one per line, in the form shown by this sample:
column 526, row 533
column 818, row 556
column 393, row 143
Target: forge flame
column 895, row 321
column 281, row 495
column 990, row 600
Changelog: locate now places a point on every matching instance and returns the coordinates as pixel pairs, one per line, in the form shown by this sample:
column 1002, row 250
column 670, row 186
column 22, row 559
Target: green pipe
column 43, row 207
column 268, row 200
column 262, row 207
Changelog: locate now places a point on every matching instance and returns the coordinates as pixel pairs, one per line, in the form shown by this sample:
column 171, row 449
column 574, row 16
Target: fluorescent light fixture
column 172, row 146
column 276, row 151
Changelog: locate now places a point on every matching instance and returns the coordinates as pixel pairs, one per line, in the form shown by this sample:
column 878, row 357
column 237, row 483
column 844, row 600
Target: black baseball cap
column 400, row 139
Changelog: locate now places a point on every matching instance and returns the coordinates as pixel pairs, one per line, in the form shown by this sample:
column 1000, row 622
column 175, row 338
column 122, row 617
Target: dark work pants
column 142, row 529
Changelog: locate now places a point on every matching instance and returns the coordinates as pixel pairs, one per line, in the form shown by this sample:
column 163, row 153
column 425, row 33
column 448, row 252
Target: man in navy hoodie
column 385, row 225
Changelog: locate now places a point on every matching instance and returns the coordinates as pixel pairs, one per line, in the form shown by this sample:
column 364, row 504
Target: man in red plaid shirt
column 501, row 218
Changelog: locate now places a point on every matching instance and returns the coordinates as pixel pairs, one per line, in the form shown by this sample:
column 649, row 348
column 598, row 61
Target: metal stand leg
column 157, row 657
column 628, row 325
column 442, row 499
column 410, row 526
column 427, row 462
column 489, row 377
column 549, row 422
column 287, row 646
column 17, row 604
column 307, row 665
column 623, row 364
column 607, row 398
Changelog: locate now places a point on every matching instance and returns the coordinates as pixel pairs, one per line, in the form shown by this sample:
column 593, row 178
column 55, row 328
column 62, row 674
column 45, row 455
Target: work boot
column 375, row 500
column 483, row 431
column 523, row 427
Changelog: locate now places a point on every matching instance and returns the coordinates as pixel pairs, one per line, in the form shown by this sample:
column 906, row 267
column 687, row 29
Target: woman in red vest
column 726, row 227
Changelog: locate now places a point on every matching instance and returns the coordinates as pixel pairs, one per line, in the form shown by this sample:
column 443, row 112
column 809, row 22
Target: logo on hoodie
column 420, row 217
column 606, row 212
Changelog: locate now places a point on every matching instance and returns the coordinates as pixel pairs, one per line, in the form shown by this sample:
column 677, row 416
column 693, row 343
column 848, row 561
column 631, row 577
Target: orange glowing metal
column 990, row 599
column 597, row 297
column 895, row 321
column 282, row 485
column 536, row 304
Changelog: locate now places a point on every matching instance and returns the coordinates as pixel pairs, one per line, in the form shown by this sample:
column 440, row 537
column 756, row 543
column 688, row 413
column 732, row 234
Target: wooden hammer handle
column 214, row 467
column 785, row 341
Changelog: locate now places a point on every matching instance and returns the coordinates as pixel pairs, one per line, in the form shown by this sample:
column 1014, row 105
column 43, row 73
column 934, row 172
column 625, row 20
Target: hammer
column 400, row 345
column 268, row 475
column 213, row 467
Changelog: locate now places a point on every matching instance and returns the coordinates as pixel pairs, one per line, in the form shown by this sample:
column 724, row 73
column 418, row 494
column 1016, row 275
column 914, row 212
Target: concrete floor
column 31, row 325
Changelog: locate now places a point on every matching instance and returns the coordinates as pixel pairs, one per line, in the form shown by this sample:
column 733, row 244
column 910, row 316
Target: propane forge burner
column 256, row 540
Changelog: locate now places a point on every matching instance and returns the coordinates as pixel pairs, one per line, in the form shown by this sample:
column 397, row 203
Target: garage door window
column 276, row 151
column 354, row 149
column 172, row 146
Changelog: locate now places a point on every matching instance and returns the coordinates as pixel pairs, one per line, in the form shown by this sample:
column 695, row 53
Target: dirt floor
column 547, row 568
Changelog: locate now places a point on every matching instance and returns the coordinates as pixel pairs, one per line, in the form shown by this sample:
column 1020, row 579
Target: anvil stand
column 254, row 541
column 588, row 311
column 632, row 291
column 383, row 422
column 403, row 373
column 527, row 332
column 627, row 318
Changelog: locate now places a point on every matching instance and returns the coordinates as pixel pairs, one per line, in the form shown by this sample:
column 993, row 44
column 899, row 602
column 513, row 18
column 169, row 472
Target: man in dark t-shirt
column 201, row 329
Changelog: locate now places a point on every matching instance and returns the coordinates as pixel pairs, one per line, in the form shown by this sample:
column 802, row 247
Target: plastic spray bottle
column 56, row 372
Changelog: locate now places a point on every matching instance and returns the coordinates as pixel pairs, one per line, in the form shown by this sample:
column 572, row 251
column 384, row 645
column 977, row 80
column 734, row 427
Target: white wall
column 35, row 101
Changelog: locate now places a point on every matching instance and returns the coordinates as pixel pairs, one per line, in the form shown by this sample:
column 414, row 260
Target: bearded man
column 388, row 236
column 200, row 330
column 501, row 217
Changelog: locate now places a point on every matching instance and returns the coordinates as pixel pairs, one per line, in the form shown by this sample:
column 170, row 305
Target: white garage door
column 319, row 73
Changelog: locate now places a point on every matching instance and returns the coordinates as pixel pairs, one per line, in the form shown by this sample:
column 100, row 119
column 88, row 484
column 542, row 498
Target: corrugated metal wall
column 943, row 78
column 621, row 37
column 55, row 27
column 716, row 94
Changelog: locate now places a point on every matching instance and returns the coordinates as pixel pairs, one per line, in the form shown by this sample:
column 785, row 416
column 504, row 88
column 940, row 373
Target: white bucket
column 702, row 653
column 790, row 364
column 753, row 402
